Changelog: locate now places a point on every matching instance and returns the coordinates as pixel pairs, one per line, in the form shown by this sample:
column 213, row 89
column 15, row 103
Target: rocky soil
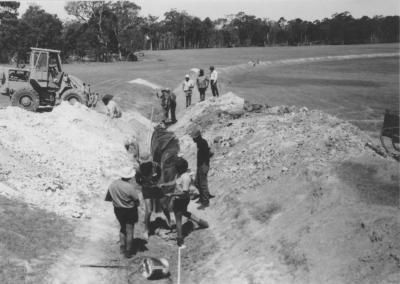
column 299, row 199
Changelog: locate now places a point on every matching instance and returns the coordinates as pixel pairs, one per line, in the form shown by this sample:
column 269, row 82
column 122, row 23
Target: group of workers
column 168, row 98
column 123, row 192
column 125, row 197
column 202, row 83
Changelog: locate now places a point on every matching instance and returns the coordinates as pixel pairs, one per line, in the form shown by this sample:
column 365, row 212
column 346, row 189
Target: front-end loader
column 42, row 83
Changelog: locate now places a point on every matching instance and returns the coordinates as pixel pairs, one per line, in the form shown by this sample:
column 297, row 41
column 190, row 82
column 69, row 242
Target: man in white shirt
column 188, row 86
column 213, row 81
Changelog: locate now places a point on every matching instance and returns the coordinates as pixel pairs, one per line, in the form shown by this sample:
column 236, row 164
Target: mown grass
column 358, row 90
column 30, row 239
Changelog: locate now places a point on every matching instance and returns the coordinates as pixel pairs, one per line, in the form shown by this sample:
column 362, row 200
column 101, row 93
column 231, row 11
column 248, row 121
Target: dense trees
column 106, row 31
column 34, row 28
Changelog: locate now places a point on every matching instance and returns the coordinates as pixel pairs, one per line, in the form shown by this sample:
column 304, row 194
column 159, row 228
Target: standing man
column 125, row 200
column 165, row 102
column 203, row 165
column 202, row 84
column 172, row 103
column 213, row 79
column 188, row 86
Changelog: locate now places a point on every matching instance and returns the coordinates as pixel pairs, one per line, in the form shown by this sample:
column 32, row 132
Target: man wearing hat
column 203, row 165
column 188, row 86
column 213, row 81
column 125, row 200
column 168, row 103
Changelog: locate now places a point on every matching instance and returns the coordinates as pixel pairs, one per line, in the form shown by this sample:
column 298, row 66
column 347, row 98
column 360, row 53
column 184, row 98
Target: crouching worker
column 148, row 176
column 181, row 198
column 125, row 200
column 113, row 109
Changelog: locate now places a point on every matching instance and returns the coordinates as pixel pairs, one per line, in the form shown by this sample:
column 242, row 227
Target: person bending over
column 181, row 198
column 148, row 176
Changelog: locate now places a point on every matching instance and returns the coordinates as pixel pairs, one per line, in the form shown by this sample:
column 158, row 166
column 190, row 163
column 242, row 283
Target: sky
column 273, row 9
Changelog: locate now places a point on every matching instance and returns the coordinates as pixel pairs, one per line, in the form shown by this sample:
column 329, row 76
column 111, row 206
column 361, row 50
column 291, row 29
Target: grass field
column 355, row 89
column 358, row 90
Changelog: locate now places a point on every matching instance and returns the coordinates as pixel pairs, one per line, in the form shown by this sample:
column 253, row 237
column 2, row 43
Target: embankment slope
column 299, row 199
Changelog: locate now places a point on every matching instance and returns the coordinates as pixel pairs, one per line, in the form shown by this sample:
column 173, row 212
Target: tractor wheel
column 74, row 96
column 26, row 98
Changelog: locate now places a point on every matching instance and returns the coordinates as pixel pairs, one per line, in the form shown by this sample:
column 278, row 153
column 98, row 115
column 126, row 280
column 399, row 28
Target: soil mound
column 54, row 159
column 291, row 205
column 299, row 199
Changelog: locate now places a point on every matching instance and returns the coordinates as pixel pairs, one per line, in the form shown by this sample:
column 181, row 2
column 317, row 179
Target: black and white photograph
column 200, row 142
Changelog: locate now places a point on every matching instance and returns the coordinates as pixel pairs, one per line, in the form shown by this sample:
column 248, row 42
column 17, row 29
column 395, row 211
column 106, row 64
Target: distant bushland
column 110, row 31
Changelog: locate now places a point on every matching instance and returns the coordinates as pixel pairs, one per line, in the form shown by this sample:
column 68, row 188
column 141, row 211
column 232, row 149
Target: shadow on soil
column 376, row 184
column 30, row 239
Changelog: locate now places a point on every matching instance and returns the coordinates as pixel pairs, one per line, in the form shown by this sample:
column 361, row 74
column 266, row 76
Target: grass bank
column 30, row 240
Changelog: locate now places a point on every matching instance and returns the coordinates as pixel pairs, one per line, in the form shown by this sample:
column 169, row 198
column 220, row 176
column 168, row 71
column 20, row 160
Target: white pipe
column 150, row 130
column 179, row 266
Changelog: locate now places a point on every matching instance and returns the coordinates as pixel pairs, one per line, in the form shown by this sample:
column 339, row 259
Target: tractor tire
column 74, row 96
column 26, row 98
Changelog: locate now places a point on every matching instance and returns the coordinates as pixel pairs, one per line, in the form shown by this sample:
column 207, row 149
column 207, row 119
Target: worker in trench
column 168, row 104
column 180, row 198
column 203, row 165
column 112, row 108
column 125, row 200
column 148, row 176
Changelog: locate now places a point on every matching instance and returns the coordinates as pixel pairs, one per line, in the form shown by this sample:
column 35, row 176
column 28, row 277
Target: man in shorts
column 181, row 198
column 125, row 200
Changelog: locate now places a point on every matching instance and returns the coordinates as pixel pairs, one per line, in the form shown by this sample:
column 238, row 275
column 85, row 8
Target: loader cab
column 45, row 66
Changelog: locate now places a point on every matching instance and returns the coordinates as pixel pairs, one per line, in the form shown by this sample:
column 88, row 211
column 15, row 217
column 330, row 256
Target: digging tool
column 150, row 267
column 103, row 266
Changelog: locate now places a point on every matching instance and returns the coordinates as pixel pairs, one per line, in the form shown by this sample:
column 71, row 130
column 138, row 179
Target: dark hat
column 211, row 67
column 181, row 165
column 106, row 98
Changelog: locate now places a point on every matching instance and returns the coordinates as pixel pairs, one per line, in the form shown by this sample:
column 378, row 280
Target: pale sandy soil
column 299, row 199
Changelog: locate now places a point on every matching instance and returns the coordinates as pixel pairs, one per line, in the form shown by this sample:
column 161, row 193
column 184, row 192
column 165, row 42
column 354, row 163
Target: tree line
column 105, row 31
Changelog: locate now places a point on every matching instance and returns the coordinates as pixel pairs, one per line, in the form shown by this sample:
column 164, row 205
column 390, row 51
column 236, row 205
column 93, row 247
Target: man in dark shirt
column 203, row 165
column 125, row 200
column 148, row 176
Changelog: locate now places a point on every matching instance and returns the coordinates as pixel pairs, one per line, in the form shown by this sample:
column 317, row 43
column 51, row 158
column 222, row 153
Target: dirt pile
column 285, row 209
column 54, row 159
column 299, row 199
